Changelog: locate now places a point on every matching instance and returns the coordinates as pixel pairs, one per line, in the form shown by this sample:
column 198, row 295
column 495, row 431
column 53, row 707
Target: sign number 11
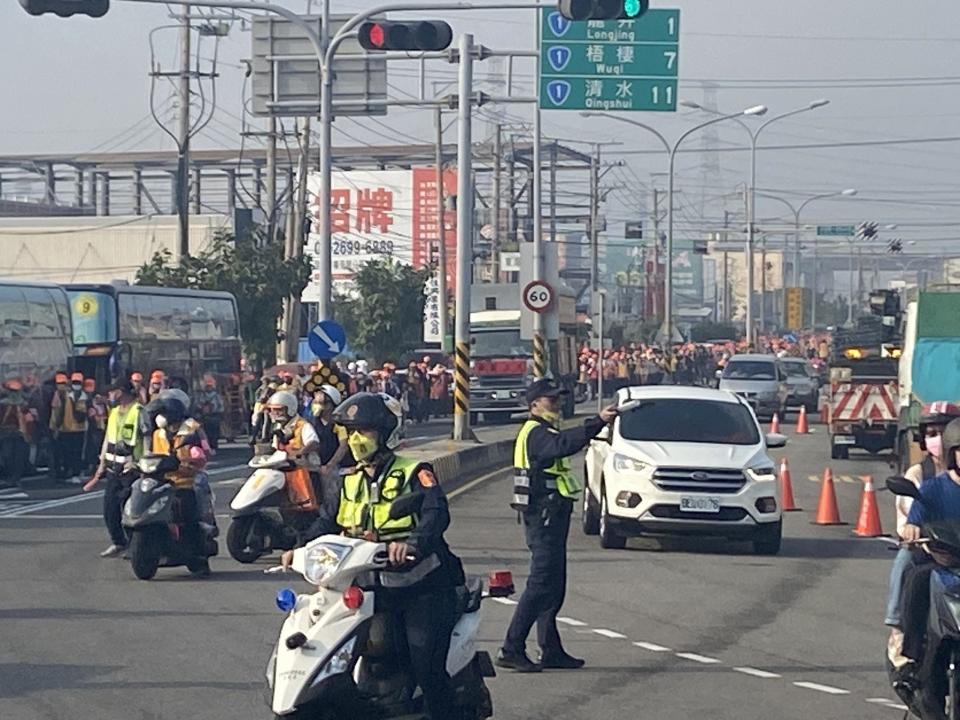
column 667, row 93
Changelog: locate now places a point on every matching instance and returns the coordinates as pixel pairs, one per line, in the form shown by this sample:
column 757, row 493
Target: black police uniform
column 547, row 524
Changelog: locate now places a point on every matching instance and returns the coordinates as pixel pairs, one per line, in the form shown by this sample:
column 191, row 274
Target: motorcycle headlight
column 158, row 505
column 624, row 463
column 763, row 473
column 321, row 561
column 338, row 663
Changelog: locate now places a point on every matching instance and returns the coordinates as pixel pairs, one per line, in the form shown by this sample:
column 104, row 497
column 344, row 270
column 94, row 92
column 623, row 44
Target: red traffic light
column 377, row 35
column 414, row 35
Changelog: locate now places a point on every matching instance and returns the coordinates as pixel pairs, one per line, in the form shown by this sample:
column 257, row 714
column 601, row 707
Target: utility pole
column 293, row 242
column 763, row 281
column 183, row 138
column 553, row 192
column 271, row 180
column 655, row 295
column 594, row 222
column 748, row 266
column 461, row 417
column 727, row 315
column 497, row 191
column 441, row 234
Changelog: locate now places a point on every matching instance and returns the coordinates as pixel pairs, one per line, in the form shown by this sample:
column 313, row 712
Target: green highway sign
column 836, row 230
column 610, row 64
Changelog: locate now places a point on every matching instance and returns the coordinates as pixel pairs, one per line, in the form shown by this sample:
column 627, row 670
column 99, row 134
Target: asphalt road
column 670, row 630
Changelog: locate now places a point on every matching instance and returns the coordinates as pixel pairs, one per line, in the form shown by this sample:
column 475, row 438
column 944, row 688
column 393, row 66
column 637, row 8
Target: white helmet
column 285, row 400
column 331, row 392
column 393, row 405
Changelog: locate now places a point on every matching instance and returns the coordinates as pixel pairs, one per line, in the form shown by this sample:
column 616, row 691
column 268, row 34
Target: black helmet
column 367, row 411
column 951, row 443
column 171, row 407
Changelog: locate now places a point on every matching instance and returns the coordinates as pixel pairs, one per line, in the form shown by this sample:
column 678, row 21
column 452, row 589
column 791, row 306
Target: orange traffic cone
column 868, row 525
column 827, row 511
column 775, row 424
column 802, row 427
column 786, row 488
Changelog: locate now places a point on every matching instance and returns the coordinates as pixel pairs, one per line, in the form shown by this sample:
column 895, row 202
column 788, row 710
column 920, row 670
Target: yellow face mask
column 551, row 417
column 362, row 446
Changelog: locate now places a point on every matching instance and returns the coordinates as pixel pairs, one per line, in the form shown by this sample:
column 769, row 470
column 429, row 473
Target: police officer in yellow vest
column 422, row 593
column 544, row 491
column 122, row 447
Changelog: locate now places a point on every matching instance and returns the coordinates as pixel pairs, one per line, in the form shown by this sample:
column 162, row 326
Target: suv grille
column 699, row 480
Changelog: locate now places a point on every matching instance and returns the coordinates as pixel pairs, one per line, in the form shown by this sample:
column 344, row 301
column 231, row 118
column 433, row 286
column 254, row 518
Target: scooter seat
column 469, row 596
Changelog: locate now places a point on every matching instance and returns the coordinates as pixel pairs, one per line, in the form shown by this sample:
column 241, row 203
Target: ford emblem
column 700, row 476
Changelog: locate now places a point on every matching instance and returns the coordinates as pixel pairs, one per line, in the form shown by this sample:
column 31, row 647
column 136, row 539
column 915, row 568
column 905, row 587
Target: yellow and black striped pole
column 461, row 383
column 539, row 356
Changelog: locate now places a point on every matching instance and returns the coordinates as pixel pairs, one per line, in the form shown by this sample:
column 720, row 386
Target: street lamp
column 666, row 332
column 751, row 225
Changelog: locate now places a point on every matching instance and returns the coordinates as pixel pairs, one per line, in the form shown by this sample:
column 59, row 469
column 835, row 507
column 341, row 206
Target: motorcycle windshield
column 945, row 536
column 143, row 494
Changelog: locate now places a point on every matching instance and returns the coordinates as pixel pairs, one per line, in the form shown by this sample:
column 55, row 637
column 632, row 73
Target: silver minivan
column 758, row 379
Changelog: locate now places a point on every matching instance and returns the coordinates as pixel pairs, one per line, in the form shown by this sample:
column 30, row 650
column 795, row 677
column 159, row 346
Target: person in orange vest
column 297, row 437
column 14, row 419
column 157, row 385
column 68, row 423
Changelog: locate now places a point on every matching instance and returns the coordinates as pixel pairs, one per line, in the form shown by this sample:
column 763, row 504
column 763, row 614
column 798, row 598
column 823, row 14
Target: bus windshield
column 94, row 317
column 34, row 332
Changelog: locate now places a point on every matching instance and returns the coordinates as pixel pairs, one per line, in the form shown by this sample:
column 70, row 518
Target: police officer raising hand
column 544, row 491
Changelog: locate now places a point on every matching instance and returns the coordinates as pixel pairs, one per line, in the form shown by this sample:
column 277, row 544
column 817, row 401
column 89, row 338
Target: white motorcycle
column 263, row 520
column 337, row 656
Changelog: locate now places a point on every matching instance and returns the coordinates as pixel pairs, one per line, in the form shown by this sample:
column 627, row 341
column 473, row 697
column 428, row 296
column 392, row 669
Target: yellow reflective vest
column 365, row 501
column 123, row 438
column 558, row 476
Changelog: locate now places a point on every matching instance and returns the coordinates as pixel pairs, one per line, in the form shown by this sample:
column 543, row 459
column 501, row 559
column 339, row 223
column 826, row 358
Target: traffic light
column 603, row 9
column 867, row 230
column 895, row 247
column 412, row 35
column 66, row 8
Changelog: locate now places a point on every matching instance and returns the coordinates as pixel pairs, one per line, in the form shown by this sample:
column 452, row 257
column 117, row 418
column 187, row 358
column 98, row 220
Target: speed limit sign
column 538, row 296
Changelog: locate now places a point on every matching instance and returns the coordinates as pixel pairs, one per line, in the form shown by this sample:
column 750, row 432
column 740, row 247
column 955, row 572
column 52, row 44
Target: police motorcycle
column 152, row 516
column 263, row 519
column 938, row 695
column 338, row 657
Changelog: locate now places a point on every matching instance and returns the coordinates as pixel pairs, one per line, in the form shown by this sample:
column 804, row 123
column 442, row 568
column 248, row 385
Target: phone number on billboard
column 356, row 247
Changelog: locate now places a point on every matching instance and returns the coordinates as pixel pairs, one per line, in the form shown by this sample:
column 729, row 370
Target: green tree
column 258, row 276
column 384, row 318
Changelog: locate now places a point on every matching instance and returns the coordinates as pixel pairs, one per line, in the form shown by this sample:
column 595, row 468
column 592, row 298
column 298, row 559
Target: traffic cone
column 775, row 424
column 786, row 488
column 827, row 511
column 802, row 427
column 868, row 525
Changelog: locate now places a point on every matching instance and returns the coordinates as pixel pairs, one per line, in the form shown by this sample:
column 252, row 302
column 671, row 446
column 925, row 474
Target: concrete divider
column 457, row 463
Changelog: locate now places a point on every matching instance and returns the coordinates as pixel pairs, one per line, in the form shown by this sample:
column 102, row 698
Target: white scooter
column 263, row 520
column 336, row 656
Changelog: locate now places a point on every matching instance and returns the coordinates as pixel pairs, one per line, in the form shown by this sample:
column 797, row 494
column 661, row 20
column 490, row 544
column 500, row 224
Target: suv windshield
column 700, row 421
column 750, row 370
column 794, row 369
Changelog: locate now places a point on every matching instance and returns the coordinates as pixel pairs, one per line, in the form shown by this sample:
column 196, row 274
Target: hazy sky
column 888, row 68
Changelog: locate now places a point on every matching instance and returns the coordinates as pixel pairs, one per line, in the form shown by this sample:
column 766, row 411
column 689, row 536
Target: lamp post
column 751, row 224
column 666, row 331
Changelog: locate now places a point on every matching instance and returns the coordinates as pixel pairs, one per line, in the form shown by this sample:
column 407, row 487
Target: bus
column 35, row 332
column 122, row 328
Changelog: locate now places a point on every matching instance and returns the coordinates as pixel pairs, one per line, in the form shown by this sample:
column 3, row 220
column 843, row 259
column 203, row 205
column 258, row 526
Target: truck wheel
column 609, row 539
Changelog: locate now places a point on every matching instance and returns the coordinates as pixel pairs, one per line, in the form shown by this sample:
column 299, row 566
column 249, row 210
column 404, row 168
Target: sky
column 888, row 69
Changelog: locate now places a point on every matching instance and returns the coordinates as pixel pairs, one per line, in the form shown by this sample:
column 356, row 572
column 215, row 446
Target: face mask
column 161, row 422
column 362, row 446
column 552, row 417
column 76, row 387
column 934, row 445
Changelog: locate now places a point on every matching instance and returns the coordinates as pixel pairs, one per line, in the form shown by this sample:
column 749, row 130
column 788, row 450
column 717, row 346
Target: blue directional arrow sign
column 327, row 339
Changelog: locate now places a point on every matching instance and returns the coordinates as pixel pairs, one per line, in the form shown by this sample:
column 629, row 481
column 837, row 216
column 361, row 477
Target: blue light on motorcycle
column 286, row 599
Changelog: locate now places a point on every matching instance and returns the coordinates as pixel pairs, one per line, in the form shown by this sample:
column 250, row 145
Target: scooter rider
column 941, row 501
column 298, row 439
column 423, row 597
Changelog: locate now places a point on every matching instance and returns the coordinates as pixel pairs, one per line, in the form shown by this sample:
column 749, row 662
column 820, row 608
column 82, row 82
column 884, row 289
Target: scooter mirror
column 406, row 505
column 902, row 486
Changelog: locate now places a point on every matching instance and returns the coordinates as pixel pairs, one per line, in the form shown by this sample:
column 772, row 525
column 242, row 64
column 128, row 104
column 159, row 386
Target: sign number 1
column 667, row 94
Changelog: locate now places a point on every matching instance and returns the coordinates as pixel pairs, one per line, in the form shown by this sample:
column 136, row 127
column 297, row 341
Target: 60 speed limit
column 538, row 296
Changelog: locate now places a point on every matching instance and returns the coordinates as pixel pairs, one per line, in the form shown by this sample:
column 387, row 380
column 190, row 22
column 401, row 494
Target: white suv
column 683, row 460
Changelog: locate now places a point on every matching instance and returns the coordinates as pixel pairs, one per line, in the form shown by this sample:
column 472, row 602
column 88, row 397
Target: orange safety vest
column 190, row 430
column 300, row 490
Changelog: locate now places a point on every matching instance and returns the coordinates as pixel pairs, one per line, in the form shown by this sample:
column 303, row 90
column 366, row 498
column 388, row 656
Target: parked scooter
column 152, row 515
column 337, row 657
column 264, row 520
column 938, row 695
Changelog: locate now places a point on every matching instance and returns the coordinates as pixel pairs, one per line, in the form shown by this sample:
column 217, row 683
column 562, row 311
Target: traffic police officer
column 122, row 447
column 543, row 493
column 421, row 593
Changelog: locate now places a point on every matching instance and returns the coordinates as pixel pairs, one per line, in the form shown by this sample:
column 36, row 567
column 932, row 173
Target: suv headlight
column 762, row 473
column 624, row 463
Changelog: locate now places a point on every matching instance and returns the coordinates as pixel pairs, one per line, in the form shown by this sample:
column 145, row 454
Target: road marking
column 822, row 688
column 652, row 647
column 887, row 703
column 571, row 622
column 753, row 672
column 12, row 494
column 613, row 635
column 813, row 478
column 60, row 517
column 699, row 658
column 504, row 601
column 473, row 483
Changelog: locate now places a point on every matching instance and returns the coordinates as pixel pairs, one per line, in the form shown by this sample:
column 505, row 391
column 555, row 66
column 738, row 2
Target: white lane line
column 12, row 494
column 892, row 704
column 699, row 658
column 753, row 672
column 828, row 689
column 473, row 483
column 652, row 647
column 610, row 634
column 571, row 622
column 504, row 601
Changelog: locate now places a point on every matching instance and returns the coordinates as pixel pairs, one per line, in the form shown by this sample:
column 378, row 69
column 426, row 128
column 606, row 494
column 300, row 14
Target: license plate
column 844, row 440
column 503, row 394
column 700, row 504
